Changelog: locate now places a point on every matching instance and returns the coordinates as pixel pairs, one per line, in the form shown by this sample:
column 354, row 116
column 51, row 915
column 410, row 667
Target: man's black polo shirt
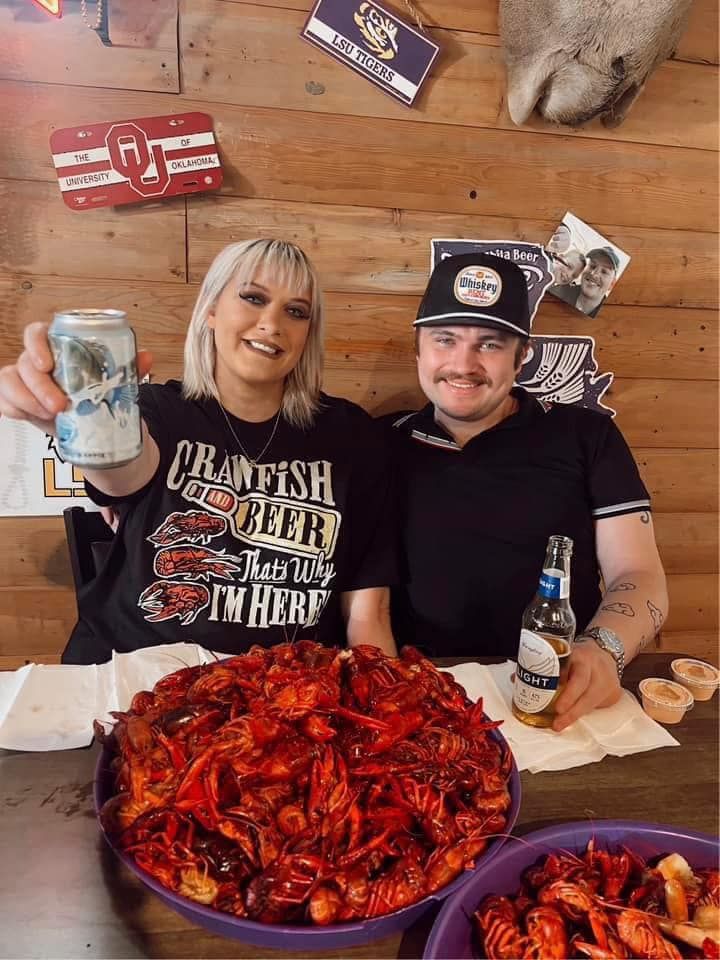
column 476, row 520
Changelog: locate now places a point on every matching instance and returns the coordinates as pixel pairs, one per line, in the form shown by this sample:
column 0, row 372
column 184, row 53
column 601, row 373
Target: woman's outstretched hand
column 27, row 389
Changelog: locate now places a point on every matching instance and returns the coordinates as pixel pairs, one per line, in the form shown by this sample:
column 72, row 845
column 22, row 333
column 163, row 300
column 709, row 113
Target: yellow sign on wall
column 53, row 7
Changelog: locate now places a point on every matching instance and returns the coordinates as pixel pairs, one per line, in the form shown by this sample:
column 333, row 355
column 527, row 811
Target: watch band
column 607, row 640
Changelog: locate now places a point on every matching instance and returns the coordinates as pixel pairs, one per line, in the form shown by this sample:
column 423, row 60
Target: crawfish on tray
column 303, row 784
column 603, row 904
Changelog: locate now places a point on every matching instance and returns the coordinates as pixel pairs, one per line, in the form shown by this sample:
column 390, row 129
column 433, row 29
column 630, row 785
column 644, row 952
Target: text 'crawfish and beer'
column 276, row 514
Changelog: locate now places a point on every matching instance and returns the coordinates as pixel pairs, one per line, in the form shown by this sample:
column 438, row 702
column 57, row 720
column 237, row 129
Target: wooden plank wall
column 314, row 153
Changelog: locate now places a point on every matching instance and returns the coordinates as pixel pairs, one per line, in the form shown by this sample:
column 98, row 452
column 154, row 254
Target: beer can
column 95, row 365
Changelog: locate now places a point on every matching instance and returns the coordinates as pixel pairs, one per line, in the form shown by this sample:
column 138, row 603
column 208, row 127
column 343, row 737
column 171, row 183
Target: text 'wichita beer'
column 546, row 638
column 95, row 365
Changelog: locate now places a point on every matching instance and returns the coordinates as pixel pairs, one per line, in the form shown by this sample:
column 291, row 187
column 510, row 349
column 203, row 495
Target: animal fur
column 573, row 60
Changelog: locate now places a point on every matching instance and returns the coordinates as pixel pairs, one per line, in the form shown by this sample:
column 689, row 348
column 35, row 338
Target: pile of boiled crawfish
column 602, row 905
column 302, row 784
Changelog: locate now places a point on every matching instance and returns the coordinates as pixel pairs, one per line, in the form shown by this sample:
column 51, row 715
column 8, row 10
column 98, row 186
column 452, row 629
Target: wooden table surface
column 63, row 893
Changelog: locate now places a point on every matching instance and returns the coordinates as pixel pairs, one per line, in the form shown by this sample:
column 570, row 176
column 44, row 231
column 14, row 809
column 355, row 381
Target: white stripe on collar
column 401, row 420
column 434, row 441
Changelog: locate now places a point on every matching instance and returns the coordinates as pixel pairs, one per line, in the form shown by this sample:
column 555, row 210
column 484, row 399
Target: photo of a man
column 586, row 266
column 596, row 282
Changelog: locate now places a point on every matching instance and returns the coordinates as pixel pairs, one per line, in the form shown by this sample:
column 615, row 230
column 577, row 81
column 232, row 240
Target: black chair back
column 88, row 539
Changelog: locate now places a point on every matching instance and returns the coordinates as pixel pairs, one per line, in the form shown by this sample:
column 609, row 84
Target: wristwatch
column 609, row 641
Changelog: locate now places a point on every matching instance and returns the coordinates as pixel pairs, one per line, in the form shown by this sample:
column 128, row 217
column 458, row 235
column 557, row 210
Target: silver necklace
column 253, row 461
column 98, row 14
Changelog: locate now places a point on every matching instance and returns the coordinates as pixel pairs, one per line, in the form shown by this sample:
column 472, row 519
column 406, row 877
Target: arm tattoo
column 656, row 614
column 621, row 586
column 645, row 517
column 624, row 608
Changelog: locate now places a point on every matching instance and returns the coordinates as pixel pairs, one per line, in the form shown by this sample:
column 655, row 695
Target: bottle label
column 538, row 673
column 554, row 584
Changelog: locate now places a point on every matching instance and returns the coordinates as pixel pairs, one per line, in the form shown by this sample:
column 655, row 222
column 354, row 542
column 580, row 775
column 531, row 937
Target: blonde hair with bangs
column 242, row 261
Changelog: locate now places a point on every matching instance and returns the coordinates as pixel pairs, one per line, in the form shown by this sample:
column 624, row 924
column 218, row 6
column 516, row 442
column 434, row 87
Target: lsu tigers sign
column 128, row 161
column 373, row 42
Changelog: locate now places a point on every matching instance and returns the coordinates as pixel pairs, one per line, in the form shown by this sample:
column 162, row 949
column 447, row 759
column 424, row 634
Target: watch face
column 608, row 638
column 612, row 644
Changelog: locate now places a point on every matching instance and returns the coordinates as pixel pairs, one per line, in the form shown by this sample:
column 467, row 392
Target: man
column 488, row 473
column 596, row 282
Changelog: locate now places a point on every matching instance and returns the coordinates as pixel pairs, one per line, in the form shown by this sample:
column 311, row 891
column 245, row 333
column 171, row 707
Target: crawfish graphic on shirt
column 254, row 546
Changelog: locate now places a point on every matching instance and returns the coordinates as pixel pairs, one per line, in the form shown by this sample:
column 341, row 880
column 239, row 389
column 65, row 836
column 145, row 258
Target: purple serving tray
column 452, row 935
column 296, row 937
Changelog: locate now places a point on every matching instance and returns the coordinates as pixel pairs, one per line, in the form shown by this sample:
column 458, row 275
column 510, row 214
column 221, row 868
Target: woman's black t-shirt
column 223, row 552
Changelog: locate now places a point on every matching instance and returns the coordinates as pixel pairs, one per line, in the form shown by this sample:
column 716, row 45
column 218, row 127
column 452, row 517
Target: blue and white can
column 95, row 365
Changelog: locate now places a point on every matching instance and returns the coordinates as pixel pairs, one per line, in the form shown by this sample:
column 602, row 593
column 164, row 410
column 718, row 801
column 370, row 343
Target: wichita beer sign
column 128, row 161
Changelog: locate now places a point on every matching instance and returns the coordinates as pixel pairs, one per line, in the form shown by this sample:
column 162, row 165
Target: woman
column 258, row 509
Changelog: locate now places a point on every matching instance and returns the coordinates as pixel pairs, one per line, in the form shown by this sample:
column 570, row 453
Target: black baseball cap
column 608, row 253
column 476, row 290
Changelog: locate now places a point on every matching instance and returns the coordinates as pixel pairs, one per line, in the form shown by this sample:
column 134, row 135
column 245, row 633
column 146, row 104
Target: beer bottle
column 546, row 638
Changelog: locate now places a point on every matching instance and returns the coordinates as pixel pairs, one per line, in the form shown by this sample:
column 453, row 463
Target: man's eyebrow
column 494, row 335
column 481, row 337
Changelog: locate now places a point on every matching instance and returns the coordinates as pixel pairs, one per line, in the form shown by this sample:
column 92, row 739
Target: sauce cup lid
column 680, row 667
column 659, row 691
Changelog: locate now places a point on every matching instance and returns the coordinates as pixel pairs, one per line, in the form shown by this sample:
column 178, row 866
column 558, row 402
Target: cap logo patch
column 478, row 286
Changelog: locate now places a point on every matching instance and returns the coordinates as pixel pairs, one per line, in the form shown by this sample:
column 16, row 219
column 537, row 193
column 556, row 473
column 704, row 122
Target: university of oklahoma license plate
column 127, row 161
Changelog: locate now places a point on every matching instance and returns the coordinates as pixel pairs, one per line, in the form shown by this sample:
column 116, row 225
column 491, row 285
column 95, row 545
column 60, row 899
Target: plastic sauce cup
column 664, row 700
column 700, row 678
